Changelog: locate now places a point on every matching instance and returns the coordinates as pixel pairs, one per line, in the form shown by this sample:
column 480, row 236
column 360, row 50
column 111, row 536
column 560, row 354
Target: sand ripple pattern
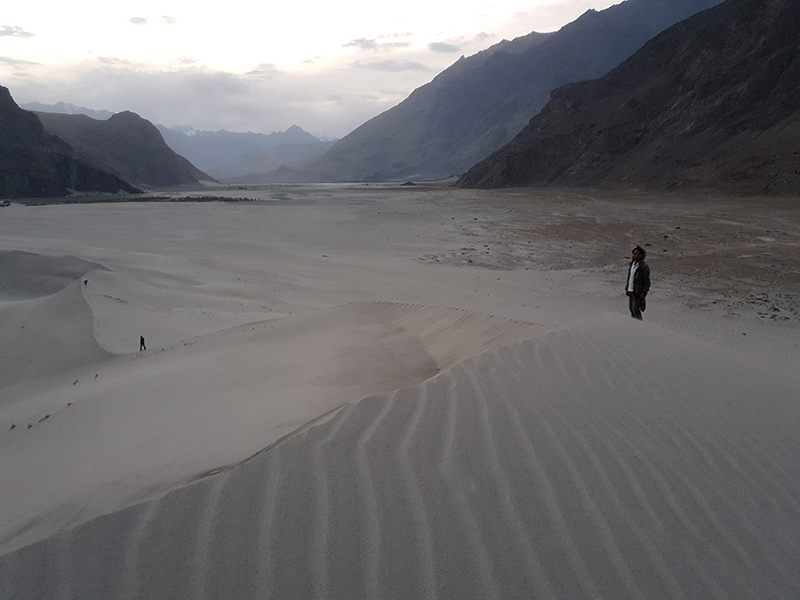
column 562, row 467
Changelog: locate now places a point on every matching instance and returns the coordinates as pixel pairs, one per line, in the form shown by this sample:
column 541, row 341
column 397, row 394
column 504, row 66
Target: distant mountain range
column 224, row 155
column 67, row 109
column 712, row 102
column 282, row 164
column 477, row 105
column 230, row 156
column 35, row 163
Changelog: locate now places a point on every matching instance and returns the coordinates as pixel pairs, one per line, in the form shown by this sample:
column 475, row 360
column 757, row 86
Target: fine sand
column 384, row 392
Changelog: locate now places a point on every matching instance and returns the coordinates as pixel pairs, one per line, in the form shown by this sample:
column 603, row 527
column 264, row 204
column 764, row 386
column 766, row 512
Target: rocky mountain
column 124, row 144
column 712, row 102
column 221, row 152
column 34, row 163
column 478, row 104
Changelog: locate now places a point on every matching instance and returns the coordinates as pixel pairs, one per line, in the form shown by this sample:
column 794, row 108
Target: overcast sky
column 325, row 66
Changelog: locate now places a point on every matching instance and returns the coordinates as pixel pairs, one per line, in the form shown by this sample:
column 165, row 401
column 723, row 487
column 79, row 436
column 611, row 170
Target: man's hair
column 640, row 249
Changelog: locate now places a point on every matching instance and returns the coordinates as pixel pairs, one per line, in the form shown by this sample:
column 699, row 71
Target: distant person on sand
column 638, row 283
column 141, row 343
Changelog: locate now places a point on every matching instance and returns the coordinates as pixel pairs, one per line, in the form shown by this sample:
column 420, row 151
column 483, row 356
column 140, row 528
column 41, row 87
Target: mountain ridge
column 712, row 102
column 35, row 163
column 124, row 144
column 479, row 103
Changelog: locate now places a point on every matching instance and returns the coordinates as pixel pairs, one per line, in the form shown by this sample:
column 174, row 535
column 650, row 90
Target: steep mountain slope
column 35, row 163
column 126, row 145
column 713, row 101
column 478, row 104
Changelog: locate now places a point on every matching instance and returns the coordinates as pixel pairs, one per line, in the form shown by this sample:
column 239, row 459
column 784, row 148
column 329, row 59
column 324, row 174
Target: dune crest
column 47, row 336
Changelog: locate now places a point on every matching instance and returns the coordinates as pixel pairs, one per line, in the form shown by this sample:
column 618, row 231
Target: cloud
column 361, row 44
column 16, row 62
column 329, row 100
column 265, row 70
column 14, row 31
column 390, row 66
column 330, row 96
column 113, row 61
column 396, row 35
column 458, row 44
column 374, row 45
column 443, row 47
column 164, row 20
column 345, row 99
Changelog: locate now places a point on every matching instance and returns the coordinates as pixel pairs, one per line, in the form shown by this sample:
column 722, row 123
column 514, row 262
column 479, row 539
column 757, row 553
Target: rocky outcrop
column 34, row 163
column 713, row 102
column 126, row 145
column 478, row 104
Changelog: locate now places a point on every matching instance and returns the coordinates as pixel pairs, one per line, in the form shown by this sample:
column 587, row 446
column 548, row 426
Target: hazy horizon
column 264, row 72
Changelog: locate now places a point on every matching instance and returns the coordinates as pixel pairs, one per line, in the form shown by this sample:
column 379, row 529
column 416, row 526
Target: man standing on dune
column 638, row 283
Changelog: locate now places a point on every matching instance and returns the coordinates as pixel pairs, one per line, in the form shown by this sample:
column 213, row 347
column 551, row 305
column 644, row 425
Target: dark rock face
column 479, row 103
column 126, row 145
column 34, row 163
column 712, row 102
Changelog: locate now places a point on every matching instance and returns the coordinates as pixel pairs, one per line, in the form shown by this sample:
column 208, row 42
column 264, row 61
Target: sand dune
column 583, row 463
column 25, row 275
column 46, row 336
column 132, row 426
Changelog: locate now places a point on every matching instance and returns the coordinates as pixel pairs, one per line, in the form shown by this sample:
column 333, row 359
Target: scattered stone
column 13, row 426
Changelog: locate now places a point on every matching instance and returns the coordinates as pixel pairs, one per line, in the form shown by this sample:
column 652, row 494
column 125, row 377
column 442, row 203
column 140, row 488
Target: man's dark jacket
column 641, row 279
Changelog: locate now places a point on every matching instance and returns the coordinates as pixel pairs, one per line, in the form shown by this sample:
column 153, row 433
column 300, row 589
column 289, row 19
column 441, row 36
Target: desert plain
column 385, row 391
